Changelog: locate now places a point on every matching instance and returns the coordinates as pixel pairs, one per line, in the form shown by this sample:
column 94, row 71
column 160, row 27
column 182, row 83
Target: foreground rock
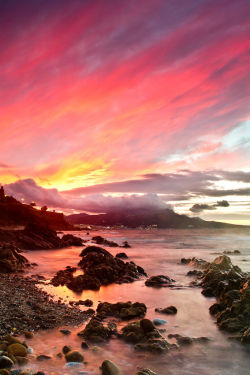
column 27, row 308
column 159, row 281
column 11, row 260
column 100, row 268
column 109, row 368
column 144, row 336
column 231, row 287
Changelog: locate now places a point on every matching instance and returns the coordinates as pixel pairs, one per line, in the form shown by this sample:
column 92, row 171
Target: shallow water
column 158, row 252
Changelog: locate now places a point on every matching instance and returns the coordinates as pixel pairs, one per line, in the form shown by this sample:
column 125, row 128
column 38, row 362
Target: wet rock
column 99, row 240
column 17, row 350
column 66, row 349
column 11, row 260
column 28, row 334
column 122, row 310
column 234, row 252
column 144, row 336
column 126, row 245
column 109, row 368
column 171, row 310
column 96, row 331
column 4, row 372
column 21, row 360
column 121, row 255
column 200, row 263
column 70, row 240
column 159, row 281
column 74, row 356
column 245, row 339
column 100, row 268
column 5, row 362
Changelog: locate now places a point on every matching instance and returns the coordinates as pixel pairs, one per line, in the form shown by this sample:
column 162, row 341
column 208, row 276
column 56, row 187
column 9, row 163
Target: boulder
column 121, row 255
column 99, row 240
column 11, row 260
column 171, row 310
column 109, row 368
column 18, row 350
column 70, row 240
column 159, row 281
column 74, row 356
column 5, row 362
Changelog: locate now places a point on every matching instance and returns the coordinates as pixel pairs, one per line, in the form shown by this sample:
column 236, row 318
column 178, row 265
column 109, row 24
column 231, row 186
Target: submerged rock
column 99, row 240
column 171, row 310
column 159, row 281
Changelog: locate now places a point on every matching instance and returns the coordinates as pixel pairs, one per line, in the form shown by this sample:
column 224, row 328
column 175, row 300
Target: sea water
column 158, row 252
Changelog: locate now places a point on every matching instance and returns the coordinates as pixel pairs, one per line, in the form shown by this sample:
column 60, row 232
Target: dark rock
column 100, row 268
column 159, row 281
column 5, row 362
column 66, row 349
column 102, row 241
column 234, row 252
column 70, row 240
column 96, row 331
column 86, row 302
column 144, row 336
column 65, row 331
column 109, row 368
column 74, row 356
column 11, row 260
column 121, row 255
column 126, row 245
column 171, row 310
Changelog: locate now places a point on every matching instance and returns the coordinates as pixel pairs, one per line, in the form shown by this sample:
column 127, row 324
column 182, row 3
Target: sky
column 112, row 103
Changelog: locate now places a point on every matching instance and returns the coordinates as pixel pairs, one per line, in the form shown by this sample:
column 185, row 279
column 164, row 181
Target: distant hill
column 15, row 213
column 165, row 218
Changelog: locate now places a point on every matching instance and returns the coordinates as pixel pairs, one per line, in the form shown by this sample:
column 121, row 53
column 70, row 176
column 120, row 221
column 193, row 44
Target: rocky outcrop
column 231, row 287
column 100, row 268
column 11, row 260
column 37, row 237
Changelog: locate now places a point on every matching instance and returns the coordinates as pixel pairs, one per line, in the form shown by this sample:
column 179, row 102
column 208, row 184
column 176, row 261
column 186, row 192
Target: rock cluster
column 99, row 240
column 100, row 268
column 231, row 287
column 13, row 351
column 144, row 336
